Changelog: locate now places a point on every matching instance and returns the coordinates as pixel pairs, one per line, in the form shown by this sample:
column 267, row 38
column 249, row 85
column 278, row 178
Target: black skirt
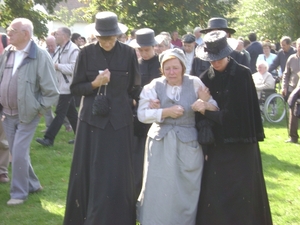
column 101, row 187
column 233, row 190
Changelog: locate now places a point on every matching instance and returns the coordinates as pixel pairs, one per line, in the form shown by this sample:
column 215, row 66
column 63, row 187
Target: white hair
column 26, row 24
column 197, row 29
column 262, row 62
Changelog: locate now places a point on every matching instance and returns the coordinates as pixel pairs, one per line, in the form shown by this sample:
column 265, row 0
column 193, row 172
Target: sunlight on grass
column 53, row 207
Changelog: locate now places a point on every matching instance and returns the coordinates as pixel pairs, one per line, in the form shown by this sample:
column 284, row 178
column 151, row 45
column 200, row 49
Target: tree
column 19, row 8
column 167, row 15
column 66, row 17
column 270, row 19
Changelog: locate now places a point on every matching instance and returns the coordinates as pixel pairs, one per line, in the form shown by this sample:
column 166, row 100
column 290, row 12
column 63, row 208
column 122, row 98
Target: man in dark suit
column 254, row 49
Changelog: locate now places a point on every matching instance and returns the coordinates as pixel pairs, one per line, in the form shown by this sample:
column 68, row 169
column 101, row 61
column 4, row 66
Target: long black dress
column 233, row 190
column 101, row 187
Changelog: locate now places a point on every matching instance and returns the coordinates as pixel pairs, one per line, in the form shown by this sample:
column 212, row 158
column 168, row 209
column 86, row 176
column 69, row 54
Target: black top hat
column 144, row 37
column 188, row 38
column 216, row 46
column 106, row 24
column 217, row 23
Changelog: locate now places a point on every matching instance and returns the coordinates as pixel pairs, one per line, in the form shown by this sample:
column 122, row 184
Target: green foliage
column 12, row 9
column 64, row 15
column 270, row 19
column 167, row 15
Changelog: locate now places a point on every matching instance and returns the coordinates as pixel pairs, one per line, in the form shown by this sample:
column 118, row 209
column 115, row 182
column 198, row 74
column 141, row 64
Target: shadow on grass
column 273, row 173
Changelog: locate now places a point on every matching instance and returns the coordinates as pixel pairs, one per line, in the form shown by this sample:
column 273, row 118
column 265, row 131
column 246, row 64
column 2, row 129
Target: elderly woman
column 267, row 56
column 262, row 78
column 101, row 187
column 173, row 157
column 233, row 189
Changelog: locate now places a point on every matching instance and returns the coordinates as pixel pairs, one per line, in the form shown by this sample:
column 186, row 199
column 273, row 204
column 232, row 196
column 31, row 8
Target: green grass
column 281, row 164
column 52, row 166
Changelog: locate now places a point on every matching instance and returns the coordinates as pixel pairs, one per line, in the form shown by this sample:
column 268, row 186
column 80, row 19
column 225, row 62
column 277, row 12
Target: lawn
column 281, row 164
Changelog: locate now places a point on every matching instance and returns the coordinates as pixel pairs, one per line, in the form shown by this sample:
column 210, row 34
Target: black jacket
column 124, row 83
column 239, row 119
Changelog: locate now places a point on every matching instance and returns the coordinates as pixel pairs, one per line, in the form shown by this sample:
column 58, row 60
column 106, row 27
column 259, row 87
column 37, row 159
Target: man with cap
column 149, row 69
column 218, row 23
column 189, row 45
column 101, row 186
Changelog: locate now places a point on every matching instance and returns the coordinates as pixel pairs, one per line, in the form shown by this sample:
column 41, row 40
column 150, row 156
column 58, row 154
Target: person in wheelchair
column 263, row 80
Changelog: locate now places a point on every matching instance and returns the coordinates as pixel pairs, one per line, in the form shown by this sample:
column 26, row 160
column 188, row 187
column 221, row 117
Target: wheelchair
column 272, row 106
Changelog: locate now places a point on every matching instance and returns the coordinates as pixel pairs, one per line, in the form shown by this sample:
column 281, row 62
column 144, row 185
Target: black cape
column 233, row 189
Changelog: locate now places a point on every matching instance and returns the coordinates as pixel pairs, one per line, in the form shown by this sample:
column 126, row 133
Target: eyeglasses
column 12, row 30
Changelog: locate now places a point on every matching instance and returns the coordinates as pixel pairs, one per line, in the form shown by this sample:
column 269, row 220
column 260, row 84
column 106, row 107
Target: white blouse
column 147, row 115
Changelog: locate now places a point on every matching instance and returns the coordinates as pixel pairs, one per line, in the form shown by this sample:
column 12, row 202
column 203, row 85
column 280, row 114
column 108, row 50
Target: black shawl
column 239, row 118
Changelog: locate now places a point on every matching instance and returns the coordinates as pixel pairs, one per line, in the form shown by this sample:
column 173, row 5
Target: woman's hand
column 154, row 104
column 173, row 112
column 103, row 78
column 203, row 93
column 199, row 106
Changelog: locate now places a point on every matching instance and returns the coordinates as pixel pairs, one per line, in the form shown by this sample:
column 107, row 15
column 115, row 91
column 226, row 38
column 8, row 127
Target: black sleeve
column 134, row 88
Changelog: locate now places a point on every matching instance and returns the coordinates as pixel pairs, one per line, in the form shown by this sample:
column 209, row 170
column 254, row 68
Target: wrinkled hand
column 283, row 92
column 203, row 93
column 175, row 111
column 199, row 106
column 154, row 104
column 102, row 79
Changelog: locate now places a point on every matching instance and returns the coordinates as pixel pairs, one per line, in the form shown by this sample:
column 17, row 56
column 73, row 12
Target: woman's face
column 266, row 50
column 262, row 69
column 107, row 43
column 173, row 71
column 146, row 52
column 220, row 65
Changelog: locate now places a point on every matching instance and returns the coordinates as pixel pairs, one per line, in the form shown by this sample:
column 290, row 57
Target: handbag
column 205, row 133
column 297, row 108
column 100, row 104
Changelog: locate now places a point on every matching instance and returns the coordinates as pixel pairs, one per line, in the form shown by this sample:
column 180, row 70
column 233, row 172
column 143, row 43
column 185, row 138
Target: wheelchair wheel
column 274, row 108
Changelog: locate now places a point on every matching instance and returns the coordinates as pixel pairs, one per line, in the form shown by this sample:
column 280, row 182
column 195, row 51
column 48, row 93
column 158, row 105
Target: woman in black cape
column 233, row 189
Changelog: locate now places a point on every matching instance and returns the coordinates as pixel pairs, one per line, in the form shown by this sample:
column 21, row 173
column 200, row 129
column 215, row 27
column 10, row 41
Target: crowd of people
column 164, row 94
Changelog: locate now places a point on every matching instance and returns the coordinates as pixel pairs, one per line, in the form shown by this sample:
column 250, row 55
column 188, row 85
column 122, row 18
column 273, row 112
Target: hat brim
column 228, row 30
column 134, row 44
column 206, row 56
column 122, row 29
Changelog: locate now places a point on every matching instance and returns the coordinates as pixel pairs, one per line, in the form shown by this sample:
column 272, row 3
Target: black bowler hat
column 188, row 38
column 217, row 23
column 216, row 46
column 106, row 24
column 144, row 37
